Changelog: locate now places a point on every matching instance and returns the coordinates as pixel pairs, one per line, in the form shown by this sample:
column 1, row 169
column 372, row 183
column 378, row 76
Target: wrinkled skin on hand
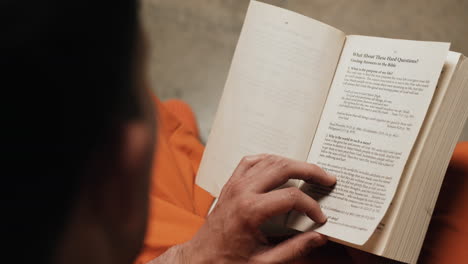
column 231, row 233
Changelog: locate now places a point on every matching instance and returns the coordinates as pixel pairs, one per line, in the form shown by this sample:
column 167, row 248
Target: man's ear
column 135, row 164
column 120, row 197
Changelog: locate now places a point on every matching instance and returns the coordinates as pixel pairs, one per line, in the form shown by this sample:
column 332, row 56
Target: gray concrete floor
column 192, row 41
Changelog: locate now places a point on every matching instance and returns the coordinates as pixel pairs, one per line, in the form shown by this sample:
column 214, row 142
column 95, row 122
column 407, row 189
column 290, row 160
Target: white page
column 277, row 85
column 377, row 103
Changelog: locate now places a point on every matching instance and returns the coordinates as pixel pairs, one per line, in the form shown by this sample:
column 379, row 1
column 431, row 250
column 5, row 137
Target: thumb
column 293, row 248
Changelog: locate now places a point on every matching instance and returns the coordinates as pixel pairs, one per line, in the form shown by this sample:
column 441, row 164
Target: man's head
column 78, row 132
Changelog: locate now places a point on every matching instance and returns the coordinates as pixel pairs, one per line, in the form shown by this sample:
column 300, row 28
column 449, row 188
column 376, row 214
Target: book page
column 376, row 106
column 275, row 92
column 386, row 236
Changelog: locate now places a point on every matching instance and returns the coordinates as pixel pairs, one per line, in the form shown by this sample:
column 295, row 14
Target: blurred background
column 193, row 41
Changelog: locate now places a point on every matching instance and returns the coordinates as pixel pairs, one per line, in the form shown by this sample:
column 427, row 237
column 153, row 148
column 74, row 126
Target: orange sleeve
column 177, row 207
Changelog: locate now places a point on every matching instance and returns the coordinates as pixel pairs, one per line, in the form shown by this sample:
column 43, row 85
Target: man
column 86, row 143
column 83, row 150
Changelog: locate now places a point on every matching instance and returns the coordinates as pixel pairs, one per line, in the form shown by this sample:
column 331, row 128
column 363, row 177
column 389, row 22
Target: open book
column 382, row 115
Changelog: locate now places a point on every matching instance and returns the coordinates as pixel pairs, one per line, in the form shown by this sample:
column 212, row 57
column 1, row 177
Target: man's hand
column 231, row 233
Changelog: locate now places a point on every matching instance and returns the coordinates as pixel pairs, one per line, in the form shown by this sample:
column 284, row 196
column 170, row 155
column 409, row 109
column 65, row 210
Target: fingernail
column 323, row 239
column 323, row 219
column 333, row 177
column 318, row 240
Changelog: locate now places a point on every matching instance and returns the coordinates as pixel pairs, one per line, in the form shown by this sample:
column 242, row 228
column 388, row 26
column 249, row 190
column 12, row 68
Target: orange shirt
column 178, row 207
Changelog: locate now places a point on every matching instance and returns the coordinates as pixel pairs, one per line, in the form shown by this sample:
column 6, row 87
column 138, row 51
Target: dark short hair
column 66, row 80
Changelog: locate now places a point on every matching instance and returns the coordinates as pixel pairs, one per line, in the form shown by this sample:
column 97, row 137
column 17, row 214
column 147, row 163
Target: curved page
column 377, row 103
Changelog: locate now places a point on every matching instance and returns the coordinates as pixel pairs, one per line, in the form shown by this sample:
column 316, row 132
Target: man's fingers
column 284, row 200
column 293, row 248
column 273, row 171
